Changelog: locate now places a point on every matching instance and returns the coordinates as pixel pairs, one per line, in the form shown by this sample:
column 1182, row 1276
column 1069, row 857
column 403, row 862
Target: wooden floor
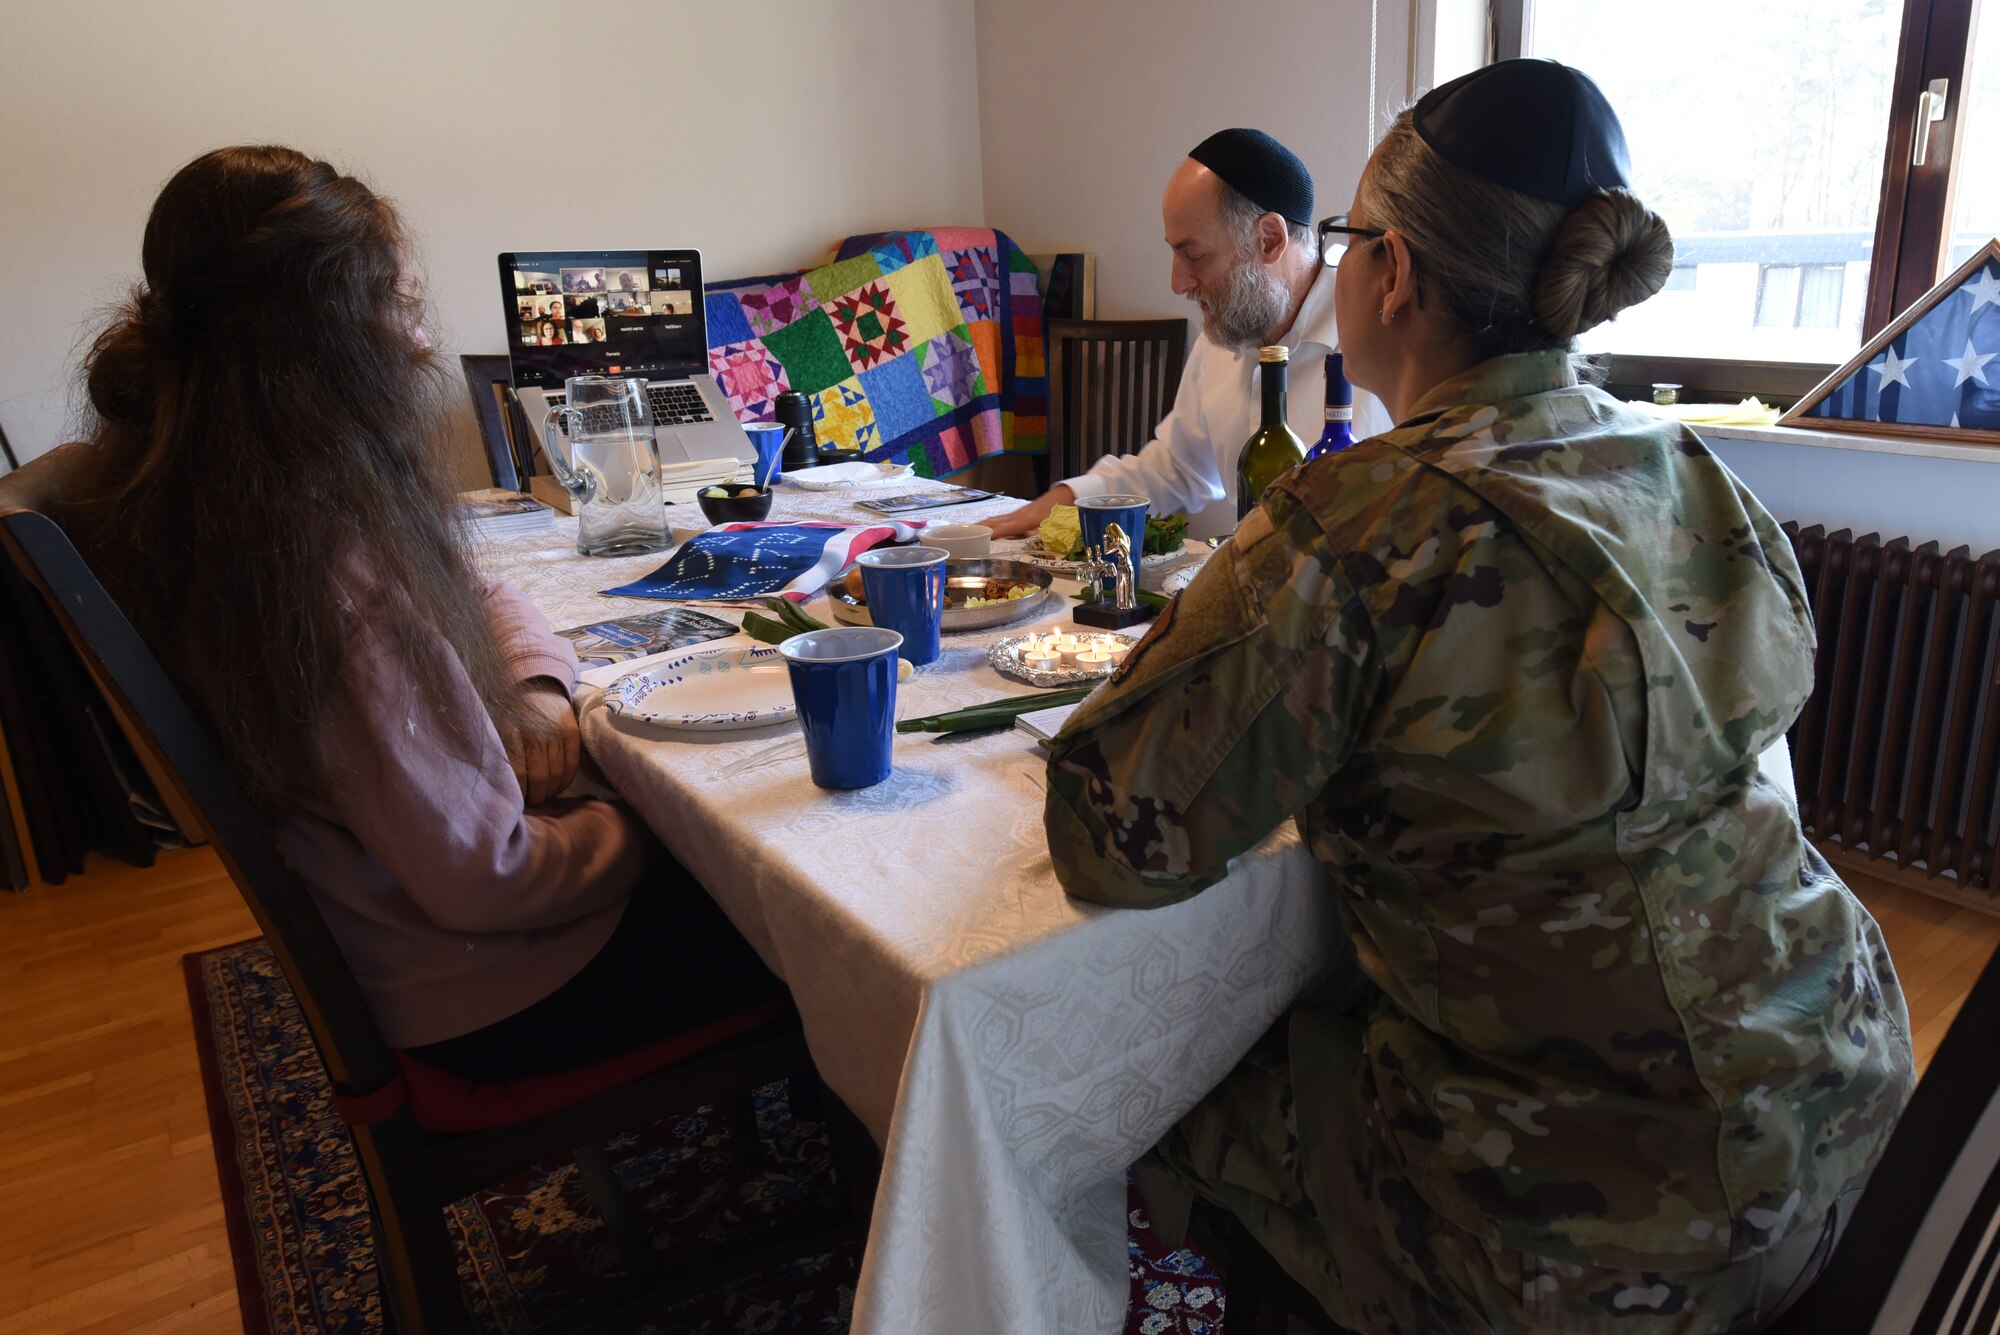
column 110, row 1215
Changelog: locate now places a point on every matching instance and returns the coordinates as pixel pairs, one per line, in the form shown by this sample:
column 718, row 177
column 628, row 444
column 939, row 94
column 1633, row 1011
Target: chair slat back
column 1110, row 383
column 158, row 722
column 485, row 375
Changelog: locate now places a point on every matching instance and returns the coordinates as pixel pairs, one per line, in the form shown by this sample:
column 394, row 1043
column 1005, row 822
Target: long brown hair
column 267, row 423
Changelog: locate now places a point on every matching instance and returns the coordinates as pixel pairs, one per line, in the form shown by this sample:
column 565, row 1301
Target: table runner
column 1012, row 1050
column 732, row 562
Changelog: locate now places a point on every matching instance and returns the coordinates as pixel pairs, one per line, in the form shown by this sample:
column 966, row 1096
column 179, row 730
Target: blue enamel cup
column 844, row 684
column 904, row 587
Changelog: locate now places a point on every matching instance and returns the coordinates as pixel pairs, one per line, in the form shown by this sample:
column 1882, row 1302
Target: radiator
column 1898, row 749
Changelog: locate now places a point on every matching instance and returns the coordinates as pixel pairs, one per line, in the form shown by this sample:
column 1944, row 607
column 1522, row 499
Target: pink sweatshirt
column 454, row 905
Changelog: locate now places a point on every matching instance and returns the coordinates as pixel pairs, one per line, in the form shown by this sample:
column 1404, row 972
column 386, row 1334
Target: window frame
column 1912, row 212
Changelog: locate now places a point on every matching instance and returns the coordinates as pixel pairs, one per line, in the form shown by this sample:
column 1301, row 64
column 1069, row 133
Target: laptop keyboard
column 677, row 405
column 673, row 405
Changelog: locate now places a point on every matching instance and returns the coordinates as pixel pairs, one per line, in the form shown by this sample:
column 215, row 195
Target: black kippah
column 1534, row 126
column 1262, row 170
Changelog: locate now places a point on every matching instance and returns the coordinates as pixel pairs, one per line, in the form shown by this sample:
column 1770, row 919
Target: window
column 1783, row 160
column 1798, row 296
column 1778, row 296
column 1819, row 296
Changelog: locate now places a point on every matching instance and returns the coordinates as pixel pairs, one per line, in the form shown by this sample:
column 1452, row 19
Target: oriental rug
column 297, row 1209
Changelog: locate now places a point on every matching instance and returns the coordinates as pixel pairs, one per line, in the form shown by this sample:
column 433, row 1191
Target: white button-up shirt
column 1189, row 466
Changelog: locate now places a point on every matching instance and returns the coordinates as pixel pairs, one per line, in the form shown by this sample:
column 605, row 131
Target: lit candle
column 1040, row 659
column 1115, row 651
column 1093, row 660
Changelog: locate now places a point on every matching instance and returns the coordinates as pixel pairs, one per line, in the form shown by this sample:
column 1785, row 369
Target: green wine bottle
column 1275, row 449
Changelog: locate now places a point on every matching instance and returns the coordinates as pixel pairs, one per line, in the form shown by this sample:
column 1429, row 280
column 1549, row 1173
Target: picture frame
column 1932, row 374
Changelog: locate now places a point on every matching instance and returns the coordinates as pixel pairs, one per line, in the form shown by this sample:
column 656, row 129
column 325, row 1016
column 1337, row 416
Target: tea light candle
column 1039, row 658
column 1093, row 660
column 1115, row 652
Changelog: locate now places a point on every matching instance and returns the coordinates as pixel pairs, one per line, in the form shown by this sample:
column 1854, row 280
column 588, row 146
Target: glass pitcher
column 601, row 446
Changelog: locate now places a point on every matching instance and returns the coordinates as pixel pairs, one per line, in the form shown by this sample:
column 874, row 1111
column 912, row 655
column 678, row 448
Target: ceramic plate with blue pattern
column 711, row 689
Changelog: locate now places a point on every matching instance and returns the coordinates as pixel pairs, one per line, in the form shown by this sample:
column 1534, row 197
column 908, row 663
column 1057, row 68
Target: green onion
column 793, row 615
column 994, row 713
column 765, row 629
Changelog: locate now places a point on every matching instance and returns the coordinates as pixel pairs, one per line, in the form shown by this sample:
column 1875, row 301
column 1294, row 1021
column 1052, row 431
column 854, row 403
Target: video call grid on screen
column 626, row 312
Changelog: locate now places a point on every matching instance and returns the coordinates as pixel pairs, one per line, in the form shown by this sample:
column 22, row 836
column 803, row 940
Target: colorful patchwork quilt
column 922, row 347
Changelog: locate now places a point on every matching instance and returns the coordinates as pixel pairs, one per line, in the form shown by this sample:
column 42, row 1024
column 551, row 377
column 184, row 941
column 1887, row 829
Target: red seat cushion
column 445, row 1102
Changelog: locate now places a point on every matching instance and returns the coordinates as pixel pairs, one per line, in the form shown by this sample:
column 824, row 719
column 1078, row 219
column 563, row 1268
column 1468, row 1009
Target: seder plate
column 1035, row 555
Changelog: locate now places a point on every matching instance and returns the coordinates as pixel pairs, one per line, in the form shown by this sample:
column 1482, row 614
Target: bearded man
column 1238, row 215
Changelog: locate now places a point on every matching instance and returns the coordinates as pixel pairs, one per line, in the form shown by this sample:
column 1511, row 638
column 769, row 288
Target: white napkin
column 829, row 477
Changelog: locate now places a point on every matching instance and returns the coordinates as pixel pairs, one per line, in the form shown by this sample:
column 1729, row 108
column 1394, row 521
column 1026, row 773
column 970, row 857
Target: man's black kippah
column 1534, row 126
column 1262, row 170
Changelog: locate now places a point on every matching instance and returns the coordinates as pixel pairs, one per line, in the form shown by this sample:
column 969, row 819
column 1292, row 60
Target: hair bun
column 1610, row 253
column 131, row 358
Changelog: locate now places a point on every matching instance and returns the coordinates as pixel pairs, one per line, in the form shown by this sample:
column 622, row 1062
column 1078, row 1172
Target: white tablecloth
column 1011, row 1049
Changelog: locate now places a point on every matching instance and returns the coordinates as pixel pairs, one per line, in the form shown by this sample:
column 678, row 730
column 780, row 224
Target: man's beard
column 1246, row 309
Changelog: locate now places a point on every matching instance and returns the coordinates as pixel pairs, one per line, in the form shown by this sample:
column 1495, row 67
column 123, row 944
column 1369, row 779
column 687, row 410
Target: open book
column 497, row 512
column 603, row 643
column 1044, row 724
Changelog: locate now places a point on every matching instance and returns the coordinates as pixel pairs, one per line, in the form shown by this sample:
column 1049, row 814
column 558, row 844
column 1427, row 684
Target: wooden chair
column 503, row 427
column 1921, row 1254
column 423, row 1137
column 1110, row 383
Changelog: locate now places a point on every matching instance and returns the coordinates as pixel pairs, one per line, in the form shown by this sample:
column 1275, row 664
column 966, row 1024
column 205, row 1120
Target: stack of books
column 495, row 512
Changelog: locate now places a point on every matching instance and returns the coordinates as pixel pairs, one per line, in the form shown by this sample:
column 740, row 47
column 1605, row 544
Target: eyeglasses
column 1333, row 237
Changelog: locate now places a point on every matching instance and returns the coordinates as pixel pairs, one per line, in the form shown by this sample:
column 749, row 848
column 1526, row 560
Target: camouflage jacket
column 1510, row 667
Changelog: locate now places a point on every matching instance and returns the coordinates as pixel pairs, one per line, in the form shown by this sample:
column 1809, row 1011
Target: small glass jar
column 1665, row 394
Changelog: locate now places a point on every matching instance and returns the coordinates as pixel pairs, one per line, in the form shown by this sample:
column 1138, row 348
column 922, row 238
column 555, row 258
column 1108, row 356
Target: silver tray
column 1005, row 656
column 960, row 578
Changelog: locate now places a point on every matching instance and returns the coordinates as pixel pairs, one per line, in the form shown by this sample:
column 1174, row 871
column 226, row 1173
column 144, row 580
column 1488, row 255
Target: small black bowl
column 752, row 503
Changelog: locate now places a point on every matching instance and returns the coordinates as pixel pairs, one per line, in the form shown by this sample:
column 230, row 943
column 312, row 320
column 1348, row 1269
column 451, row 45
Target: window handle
column 1930, row 110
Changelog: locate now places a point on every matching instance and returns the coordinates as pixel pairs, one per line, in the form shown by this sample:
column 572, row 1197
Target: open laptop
column 633, row 313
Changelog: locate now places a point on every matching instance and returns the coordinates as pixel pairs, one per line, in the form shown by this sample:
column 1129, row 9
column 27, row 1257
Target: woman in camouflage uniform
column 1629, row 1047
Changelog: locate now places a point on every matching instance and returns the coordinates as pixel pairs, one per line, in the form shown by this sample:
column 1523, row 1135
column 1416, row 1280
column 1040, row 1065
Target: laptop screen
column 603, row 312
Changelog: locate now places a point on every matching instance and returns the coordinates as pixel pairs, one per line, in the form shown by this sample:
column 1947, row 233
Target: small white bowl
column 964, row 541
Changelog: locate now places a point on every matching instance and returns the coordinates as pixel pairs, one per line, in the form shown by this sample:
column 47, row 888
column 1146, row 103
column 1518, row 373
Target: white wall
column 1086, row 107
column 761, row 131
column 1844, row 483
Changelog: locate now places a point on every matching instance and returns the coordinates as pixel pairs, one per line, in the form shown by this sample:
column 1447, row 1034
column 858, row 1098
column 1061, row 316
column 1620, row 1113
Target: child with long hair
column 263, row 491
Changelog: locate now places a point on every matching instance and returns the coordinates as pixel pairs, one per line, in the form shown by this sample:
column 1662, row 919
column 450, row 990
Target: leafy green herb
column 1165, row 535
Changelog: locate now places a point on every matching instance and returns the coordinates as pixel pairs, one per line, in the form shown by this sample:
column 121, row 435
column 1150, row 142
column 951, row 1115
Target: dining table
column 1011, row 1050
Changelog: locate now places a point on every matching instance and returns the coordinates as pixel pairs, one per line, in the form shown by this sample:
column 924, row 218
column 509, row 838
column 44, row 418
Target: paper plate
column 707, row 690
column 848, row 477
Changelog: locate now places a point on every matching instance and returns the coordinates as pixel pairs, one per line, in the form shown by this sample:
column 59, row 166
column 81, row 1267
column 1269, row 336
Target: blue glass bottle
column 1339, row 432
